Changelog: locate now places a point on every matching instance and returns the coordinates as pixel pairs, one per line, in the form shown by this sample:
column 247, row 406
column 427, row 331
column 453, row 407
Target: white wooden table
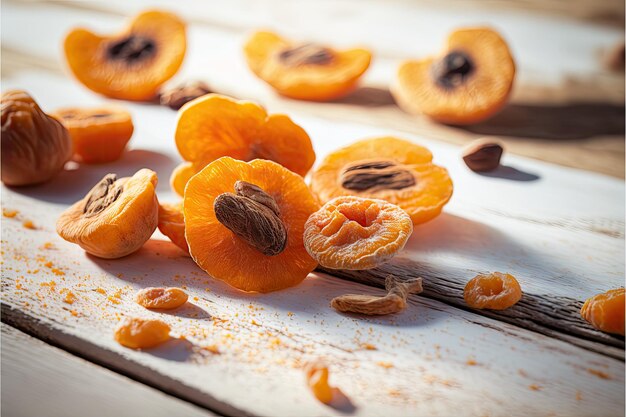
column 559, row 230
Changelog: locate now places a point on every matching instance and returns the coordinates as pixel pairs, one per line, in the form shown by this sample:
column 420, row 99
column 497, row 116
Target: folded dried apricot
column 161, row 298
column 389, row 169
column 606, row 311
column 99, row 134
column 495, row 291
column 244, row 223
column 305, row 71
column 356, row 233
column 180, row 176
column 137, row 333
column 317, row 379
column 172, row 224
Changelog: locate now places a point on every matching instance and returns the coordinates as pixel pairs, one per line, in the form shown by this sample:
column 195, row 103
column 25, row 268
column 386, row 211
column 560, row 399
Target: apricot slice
column 244, row 223
column 606, row 311
column 305, row 71
column 172, row 224
column 161, row 298
column 180, row 176
column 389, row 169
column 213, row 126
column 130, row 65
column 98, row 134
column 356, row 233
column 495, row 291
column 468, row 82
column 115, row 218
column 137, row 333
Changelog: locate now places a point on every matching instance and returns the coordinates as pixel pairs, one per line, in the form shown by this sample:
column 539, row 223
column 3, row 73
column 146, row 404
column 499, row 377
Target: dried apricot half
column 180, row 176
column 98, row 134
column 305, row 71
column 606, row 311
column 133, row 64
column 356, row 233
column 468, row 82
column 161, row 298
column 244, row 223
column 386, row 168
column 495, row 291
column 137, row 333
column 172, row 224
column 115, row 218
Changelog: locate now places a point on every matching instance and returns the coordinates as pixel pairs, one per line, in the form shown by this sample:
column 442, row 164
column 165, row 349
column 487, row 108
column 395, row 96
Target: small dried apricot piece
column 180, row 176
column 605, row 311
column 356, row 233
column 98, row 134
column 137, row 333
column 172, row 224
column 495, row 291
column 161, row 298
column 317, row 379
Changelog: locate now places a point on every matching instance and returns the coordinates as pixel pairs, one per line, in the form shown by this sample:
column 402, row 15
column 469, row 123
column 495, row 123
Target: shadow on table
column 510, row 173
column 368, row 97
column 177, row 350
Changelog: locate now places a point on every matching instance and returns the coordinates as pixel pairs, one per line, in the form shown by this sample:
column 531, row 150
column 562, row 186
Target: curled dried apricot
column 133, row 64
column 606, row 311
column 317, row 379
column 386, row 168
column 305, row 71
column 244, row 223
column 172, row 224
column 495, row 291
column 35, row 146
column 469, row 82
column 115, row 218
column 137, row 333
column 356, row 233
column 161, row 298
column 99, row 134
column 180, row 176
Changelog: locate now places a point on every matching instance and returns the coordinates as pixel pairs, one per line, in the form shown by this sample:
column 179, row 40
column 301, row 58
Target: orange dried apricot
column 317, row 379
column 495, row 291
column 305, row 71
column 244, row 223
column 386, row 168
column 137, row 333
column 172, row 224
column 180, row 176
column 467, row 83
column 606, row 311
column 213, row 126
column 356, row 233
column 99, row 134
column 130, row 65
column 161, row 298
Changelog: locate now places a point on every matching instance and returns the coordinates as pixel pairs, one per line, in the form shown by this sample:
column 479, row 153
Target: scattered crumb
column 534, row 387
column 384, row 364
column 599, row 374
column 100, row 290
column 74, row 313
column 69, row 297
column 28, row 224
column 9, row 213
column 48, row 245
column 579, row 395
column 368, row 346
column 471, row 362
column 211, row 348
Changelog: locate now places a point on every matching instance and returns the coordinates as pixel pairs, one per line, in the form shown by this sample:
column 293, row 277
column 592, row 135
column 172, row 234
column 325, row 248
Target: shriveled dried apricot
column 386, row 168
column 606, row 311
column 213, row 126
column 172, row 224
column 393, row 302
column 133, row 64
column 305, row 71
column 138, row 333
column 468, row 82
column 161, row 298
column 99, row 134
column 35, row 146
column 180, row 176
column 495, row 291
column 115, row 218
column 317, row 379
column 356, row 233
column 244, row 223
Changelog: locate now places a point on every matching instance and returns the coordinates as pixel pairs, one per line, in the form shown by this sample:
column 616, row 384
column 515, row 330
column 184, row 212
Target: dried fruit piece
column 495, row 291
column 606, row 311
column 303, row 70
column 133, row 64
column 356, row 233
column 161, row 298
column 244, row 224
column 483, row 155
column 393, row 302
column 317, row 379
column 137, row 333
column 172, row 224
column 180, row 176
column 35, row 146
column 386, row 168
column 115, row 218
column 468, row 82
column 177, row 97
column 99, row 134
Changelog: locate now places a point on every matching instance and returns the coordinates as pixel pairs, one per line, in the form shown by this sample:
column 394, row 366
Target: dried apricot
column 606, row 311
column 180, row 176
column 356, row 233
column 393, row 302
column 317, row 379
column 469, row 82
column 115, row 218
column 305, row 71
column 133, row 64
column 244, row 223
column 161, row 298
column 137, row 333
column 386, row 168
column 172, row 224
column 99, row 134
column 495, row 291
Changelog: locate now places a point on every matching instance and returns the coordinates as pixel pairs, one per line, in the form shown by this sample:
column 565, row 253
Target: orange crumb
column 384, row 364
column 253, row 321
column 69, row 298
column 113, row 299
column 28, row 224
column 101, row 290
column 471, row 362
column 579, row 395
column 599, row 374
column 195, row 298
column 290, row 314
column 57, row 271
column 534, row 387
column 74, row 313
column 368, row 346
column 18, row 286
column 211, row 348
column 48, row 245
column 522, row 373
column 9, row 213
